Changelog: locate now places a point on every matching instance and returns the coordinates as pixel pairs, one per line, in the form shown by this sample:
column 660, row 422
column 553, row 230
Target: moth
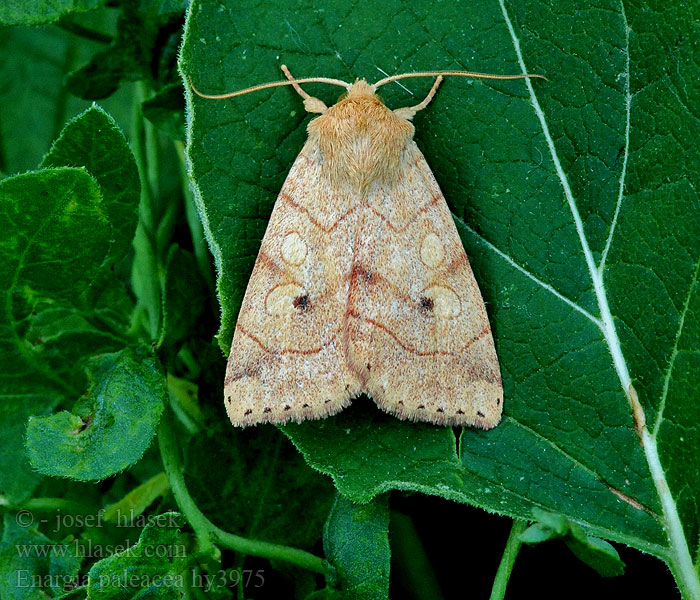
column 362, row 284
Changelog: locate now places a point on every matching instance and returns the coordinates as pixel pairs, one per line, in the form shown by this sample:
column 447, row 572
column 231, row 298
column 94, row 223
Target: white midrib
column 679, row 555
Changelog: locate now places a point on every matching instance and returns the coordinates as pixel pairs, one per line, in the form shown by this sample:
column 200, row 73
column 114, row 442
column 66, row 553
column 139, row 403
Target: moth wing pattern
column 287, row 360
column 418, row 329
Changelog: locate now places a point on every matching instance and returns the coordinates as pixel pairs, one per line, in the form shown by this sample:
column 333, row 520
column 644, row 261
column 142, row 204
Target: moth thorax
column 361, row 140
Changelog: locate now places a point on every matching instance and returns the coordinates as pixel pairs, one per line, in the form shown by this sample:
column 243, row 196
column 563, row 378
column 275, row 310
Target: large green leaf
column 55, row 248
column 66, row 230
column 575, row 201
column 595, row 552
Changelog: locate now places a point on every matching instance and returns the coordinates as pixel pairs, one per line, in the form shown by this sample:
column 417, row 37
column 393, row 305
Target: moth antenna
column 311, row 104
column 264, row 86
column 408, row 112
column 294, row 83
column 472, row 74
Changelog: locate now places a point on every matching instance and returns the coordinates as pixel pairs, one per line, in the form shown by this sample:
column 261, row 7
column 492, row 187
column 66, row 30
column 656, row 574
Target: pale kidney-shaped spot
column 280, row 300
column 446, row 304
column 294, row 249
column 432, row 252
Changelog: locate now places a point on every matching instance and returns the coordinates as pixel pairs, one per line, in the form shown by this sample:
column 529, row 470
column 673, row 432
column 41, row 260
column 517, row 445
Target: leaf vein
column 625, row 156
column 680, row 559
column 675, row 351
column 531, row 276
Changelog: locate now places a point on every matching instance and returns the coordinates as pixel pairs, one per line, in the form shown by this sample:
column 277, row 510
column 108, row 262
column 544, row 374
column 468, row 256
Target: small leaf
column 114, row 426
column 593, row 551
column 596, row 553
column 93, row 140
column 154, row 567
column 547, row 527
column 356, row 543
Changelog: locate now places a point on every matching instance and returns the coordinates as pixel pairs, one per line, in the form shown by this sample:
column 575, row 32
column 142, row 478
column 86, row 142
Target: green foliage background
column 576, row 201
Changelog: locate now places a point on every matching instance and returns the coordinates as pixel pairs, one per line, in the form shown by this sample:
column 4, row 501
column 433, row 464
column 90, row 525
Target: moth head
column 360, row 89
column 359, row 92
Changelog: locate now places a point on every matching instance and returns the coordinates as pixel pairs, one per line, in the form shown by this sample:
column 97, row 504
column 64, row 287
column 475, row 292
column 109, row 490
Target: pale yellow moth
column 362, row 283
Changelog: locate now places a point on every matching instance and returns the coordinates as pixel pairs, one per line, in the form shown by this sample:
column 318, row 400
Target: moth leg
column 311, row 104
column 408, row 112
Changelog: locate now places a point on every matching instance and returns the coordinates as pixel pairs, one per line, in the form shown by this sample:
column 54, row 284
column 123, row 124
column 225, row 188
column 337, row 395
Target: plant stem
column 207, row 533
column 510, row 553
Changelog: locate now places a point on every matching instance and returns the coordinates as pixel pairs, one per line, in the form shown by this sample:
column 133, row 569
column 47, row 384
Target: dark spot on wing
column 426, row 304
column 302, row 302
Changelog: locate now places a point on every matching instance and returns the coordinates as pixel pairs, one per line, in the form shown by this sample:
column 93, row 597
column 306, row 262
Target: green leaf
column 93, row 140
column 155, row 567
column 46, row 258
column 277, row 497
column 593, row 551
column 183, row 296
column 35, row 101
column 37, row 12
column 48, row 213
column 575, row 201
column 48, row 263
column 33, row 567
column 144, row 48
column 356, row 543
column 166, row 110
column 17, row 478
column 124, row 403
column 368, row 452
